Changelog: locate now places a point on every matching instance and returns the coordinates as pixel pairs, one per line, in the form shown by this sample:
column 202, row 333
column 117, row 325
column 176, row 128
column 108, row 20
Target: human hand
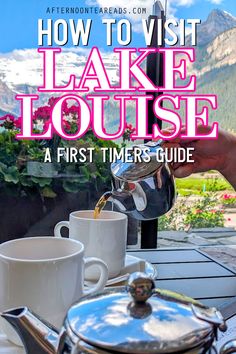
column 219, row 154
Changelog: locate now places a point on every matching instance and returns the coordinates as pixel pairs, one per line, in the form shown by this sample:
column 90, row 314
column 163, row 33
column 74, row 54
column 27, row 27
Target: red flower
column 229, row 219
column 213, row 211
column 198, row 211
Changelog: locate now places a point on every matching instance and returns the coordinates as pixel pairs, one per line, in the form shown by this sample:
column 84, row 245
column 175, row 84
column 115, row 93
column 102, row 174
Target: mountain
column 222, row 82
column 214, row 55
column 217, row 22
column 22, row 69
column 8, row 103
column 215, row 68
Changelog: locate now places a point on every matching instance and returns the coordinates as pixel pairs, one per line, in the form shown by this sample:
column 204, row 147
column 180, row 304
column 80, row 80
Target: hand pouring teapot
column 136, row 319
column 145, row 190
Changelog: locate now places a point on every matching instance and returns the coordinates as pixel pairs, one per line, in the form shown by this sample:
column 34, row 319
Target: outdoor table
column 190, row 271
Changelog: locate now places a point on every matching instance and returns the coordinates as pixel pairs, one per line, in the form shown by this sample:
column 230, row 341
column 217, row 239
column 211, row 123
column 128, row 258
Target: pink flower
column 46, row 125
column 8, row 121
column 8, row 118
column 53, row 100
column 42, row 113
column 213, row 211
column 65, row 108
column 130, row 128
column 66, row 125
column 198, row 211
column 74, row 109
column 17, row 122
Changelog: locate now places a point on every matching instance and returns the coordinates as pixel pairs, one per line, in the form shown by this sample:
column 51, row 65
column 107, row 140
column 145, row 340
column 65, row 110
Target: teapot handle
column 229, row 347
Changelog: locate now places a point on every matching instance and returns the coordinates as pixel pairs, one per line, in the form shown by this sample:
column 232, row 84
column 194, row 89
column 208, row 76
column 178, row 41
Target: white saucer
column 136, row 264
column 132, row 264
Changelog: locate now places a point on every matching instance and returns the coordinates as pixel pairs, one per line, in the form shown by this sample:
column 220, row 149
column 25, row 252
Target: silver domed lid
column 141, row 162
column 141, row 319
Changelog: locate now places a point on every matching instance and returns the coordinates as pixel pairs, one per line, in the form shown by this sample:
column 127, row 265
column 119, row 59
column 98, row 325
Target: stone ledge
column 198, row 237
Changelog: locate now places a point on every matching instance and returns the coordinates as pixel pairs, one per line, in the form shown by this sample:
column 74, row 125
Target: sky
column 19, row 19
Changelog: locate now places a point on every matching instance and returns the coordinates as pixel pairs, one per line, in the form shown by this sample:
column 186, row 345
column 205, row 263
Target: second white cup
column 45, row 274
column 104, row 238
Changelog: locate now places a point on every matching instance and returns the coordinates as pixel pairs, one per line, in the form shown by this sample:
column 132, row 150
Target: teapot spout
column 37, row 335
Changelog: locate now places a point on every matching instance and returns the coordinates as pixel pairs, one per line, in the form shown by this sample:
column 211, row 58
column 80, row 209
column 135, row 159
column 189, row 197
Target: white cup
column 45, row 274
column 104, row 237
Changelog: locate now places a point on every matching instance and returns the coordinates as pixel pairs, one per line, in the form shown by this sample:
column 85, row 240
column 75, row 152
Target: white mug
column 45, row 274
column 104, row 237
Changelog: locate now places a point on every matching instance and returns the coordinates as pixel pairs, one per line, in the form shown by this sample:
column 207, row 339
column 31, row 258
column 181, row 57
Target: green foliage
column 174, row 220
column 192, row 185
column 228, row 200
column 204, row 212
column 72, row 185
column 14, row 155
column 47, row 192
column 182, row 192
column 221, row 82
column 9, row 174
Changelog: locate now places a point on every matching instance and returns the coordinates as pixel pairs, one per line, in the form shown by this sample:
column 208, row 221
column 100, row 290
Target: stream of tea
column 101, row 204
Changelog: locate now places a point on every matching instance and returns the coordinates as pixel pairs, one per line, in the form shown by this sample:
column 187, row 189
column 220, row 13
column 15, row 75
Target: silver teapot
column 144, row 190
column 133, row 319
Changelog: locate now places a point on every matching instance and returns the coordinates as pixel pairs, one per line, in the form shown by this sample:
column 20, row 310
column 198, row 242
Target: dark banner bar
column 154, row 71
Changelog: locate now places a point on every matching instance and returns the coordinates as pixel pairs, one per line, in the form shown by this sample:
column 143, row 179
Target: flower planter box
column 41, row 169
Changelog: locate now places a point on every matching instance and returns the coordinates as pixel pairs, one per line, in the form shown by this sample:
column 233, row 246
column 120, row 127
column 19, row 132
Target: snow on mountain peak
column 229, row 14
column 25, row 67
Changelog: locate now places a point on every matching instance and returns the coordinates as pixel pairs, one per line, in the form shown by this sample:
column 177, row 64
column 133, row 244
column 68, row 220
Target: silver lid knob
column 140, row 287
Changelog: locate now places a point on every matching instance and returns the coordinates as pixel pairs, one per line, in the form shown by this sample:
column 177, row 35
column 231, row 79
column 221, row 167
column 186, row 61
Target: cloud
column 77, row 50
column 182, row 2
column 216, row 2
column 129, row 5
column 172, row 7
